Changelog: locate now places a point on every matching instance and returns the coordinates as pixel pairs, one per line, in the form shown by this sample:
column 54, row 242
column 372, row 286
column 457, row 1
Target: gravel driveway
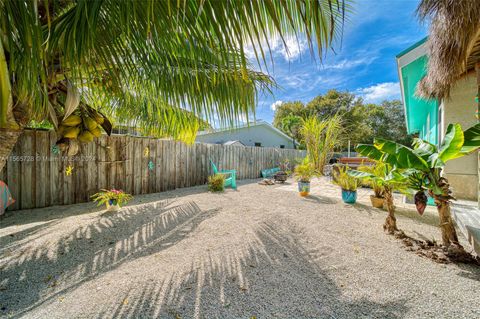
column 261, row 251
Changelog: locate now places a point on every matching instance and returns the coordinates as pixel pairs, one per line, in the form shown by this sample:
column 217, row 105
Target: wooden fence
column 38, row 177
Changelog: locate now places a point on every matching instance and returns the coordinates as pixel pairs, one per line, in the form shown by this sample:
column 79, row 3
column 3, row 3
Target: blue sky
column 364, row 64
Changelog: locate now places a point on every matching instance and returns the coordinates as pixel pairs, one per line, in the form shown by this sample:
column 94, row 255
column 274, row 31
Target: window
column 282, row 146
column 257, row 144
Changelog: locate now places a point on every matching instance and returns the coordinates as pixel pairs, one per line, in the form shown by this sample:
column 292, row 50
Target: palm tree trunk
column 449, row 234
column 8, row 139
column 391, row 222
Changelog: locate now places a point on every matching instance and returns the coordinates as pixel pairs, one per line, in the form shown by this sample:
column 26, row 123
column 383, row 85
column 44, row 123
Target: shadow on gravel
column 320, row 199
column 32, row 275
column 272, row 278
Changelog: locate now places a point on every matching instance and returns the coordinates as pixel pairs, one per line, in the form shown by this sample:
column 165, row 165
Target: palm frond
column 188, row 55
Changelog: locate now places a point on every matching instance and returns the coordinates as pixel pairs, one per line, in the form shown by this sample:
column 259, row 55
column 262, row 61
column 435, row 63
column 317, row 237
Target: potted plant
column 348, row 184
column 303, row 174
column 216, row 183
column 386, row 179
column 377, row 199
column 112, row 198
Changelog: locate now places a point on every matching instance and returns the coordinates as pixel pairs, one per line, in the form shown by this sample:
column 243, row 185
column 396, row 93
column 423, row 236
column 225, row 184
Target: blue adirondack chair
column 230, row 176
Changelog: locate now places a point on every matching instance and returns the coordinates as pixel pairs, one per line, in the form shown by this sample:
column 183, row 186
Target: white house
column 260, row 133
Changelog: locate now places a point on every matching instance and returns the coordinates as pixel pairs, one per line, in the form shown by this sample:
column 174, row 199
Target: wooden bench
column 269, row 172
column 355, row 161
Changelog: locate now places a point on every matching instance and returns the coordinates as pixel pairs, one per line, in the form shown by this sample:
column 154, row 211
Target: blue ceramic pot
column 349, row 197
column 304, row 187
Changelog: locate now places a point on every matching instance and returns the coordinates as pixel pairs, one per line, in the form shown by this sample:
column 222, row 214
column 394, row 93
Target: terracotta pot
column 377, row 202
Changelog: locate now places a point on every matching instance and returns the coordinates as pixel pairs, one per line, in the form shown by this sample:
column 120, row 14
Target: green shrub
column 305, row 171
column 215, row 183
column 344, row 180
column 118, row 197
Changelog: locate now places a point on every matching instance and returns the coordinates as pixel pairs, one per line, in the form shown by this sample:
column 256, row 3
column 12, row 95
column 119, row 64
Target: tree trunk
column 449, row 234
column 9, row 134
column 391, row 222
column 8, row 139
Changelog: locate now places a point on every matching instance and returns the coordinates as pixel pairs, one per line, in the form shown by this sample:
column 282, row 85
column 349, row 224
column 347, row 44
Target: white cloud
column 348, row 64
column 291, row 50
column 275, row 105
column 380, row 92
column 294, row 48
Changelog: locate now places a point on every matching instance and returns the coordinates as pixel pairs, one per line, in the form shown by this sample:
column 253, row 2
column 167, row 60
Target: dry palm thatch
column 454, row 29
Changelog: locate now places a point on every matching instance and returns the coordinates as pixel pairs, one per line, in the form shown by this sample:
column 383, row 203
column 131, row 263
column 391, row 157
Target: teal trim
column 421, row 114
column 413, row 46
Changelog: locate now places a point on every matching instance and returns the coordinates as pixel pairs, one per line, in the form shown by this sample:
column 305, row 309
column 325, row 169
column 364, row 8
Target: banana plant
column 424, row 164
column 388, row 179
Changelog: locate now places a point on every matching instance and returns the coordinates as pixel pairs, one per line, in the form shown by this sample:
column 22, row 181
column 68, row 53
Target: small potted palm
column 112, row 198
column 376, row 185
column 348, row 184
column 304, row 173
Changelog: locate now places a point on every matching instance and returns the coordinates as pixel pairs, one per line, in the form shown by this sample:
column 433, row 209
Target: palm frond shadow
column 225, row 284
column 96, row 246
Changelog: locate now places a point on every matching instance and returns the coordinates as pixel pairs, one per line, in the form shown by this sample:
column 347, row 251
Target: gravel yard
column 261, row 251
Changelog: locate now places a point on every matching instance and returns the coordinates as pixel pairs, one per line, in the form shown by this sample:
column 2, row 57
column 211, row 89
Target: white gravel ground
column 261, row 251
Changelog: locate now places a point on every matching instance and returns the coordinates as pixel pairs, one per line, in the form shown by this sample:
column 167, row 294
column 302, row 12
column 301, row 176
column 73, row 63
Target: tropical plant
column 361, row 122
column 342, row 178
column 162, row 65
column 377, row 170
column 305, row 171
column 216, row 183
column 117, row 196
column 423, row 164
column 320, row 138
column 291, row 125
column 385, row 181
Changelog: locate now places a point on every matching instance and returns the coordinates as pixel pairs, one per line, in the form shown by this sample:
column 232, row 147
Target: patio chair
column 230, row 176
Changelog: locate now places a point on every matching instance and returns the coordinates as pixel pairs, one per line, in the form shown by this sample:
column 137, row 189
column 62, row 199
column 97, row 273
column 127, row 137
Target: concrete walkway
column 467, row 217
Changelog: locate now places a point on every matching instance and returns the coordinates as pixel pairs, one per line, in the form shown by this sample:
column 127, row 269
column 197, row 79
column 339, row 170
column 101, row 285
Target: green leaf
column 452, row 143
column 471, row 139
column 423, row 148
column 369, row 151
column 360, row 175
column 400, row 156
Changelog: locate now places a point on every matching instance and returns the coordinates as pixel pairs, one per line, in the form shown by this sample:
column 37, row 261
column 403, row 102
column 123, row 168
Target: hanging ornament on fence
column 68, row 170
column 55, row 150
column 146, row 152
column 151, row 166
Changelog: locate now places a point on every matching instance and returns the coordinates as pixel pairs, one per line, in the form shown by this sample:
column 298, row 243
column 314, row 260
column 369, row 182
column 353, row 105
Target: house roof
column 246, row 126
column 232, row 143
column 453, row 43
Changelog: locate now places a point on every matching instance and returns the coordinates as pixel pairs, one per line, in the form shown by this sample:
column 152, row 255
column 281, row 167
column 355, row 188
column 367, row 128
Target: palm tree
column 164, row 65
column 291, row 125
column 386, row 179
column 424, row 165
column 320, row 138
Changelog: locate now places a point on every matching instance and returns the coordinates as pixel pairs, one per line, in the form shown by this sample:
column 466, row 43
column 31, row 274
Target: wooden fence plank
column 38, row 178
column 26, row 166
column 13, row 174
column 41, row 161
